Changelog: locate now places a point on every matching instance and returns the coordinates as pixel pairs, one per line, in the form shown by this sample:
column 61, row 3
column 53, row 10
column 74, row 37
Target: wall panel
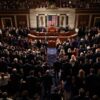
column 83, row 20
column 21, row 20
column 3, row 19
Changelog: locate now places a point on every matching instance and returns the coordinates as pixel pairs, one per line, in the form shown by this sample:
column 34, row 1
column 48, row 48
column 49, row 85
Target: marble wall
column 69, row 13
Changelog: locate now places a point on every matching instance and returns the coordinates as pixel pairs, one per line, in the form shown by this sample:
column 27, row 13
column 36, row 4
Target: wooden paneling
column 0, row 24
column 83, row 20
column 17, row 17
column 84, row 11
column 15, row 12
column 93, row 19
column 21, row 20
column 3, row 17
column 89, row 14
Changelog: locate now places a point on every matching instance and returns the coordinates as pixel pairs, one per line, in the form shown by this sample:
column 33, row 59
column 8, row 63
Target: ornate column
column 27, row 20
column 67, row 19
column 15, row 20
column 90, row 17
column 37, row 23
column 45, row 20
column 57, row 20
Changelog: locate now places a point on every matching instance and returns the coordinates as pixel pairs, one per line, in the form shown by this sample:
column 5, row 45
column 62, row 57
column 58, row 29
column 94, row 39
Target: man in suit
column 81, row 95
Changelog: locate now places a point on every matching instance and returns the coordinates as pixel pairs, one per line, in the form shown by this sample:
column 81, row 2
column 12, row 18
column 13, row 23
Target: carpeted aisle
column 51, row 55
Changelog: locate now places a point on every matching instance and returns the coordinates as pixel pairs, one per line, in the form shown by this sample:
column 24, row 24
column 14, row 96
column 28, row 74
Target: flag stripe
column 52, row 20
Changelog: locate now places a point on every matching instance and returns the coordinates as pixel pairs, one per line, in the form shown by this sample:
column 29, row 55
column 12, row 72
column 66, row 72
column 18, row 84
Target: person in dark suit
column 57, row 67
column 91, row 82
column 3, row 65
column 14, row 83
column 96, row 65
column 56, row 95
column 81, row 95
column 47, row 83
column 81, row 79
column 31, row 82
column 66, row 69
column 95, row 97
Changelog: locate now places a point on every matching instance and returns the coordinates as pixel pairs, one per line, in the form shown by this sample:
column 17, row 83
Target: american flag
column 52, row 20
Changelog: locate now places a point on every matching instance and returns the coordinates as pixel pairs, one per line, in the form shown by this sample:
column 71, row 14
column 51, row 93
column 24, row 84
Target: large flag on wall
column 52, row 20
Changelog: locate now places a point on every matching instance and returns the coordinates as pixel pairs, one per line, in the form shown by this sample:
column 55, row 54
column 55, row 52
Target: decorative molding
column 95, row 18
column 39, row 10
column 60, row 11
column 3, row 19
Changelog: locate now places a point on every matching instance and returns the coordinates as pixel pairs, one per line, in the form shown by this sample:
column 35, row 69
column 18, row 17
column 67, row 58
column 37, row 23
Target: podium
column 52, row 29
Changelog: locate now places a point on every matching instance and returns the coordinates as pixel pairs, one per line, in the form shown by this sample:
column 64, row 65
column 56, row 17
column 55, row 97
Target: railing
column 53, row 33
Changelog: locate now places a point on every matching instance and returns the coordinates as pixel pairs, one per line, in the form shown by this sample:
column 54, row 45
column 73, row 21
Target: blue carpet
column 51, row 55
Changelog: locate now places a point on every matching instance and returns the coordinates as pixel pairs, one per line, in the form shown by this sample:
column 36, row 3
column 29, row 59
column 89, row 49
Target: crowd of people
column 26, row 75
column 79, row 64
column 27, row 4
column 21, row 63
